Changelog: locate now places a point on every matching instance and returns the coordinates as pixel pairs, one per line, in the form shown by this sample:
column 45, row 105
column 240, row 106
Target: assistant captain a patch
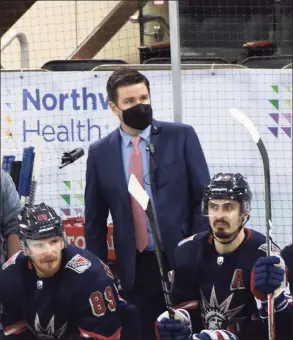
column 79, row 264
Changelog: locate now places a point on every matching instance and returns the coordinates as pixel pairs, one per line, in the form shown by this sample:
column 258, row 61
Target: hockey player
column 287, row 254
column 223, row 276
column 51, row 290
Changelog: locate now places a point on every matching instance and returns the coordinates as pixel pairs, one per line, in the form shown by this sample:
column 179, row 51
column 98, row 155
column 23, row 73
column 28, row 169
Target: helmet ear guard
column 245, row 207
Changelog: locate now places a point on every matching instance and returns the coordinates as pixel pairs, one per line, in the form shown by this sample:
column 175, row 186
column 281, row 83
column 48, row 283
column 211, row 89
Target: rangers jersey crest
column 79, row 264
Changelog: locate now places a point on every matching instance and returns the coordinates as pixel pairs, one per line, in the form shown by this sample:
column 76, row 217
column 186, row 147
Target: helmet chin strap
column 236, row 233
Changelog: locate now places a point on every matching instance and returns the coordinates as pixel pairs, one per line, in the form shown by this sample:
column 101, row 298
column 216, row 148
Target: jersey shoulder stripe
column 196, row 238
column 13, row 259
column 188, row 239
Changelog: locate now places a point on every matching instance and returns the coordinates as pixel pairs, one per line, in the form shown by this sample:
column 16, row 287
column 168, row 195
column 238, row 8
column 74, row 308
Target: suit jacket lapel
column 158, row 142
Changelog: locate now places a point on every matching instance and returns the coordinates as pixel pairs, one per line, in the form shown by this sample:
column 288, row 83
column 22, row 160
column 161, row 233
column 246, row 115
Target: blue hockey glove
column 270, row 276
column 178, row 328
column 220, row 334
column 267, row 275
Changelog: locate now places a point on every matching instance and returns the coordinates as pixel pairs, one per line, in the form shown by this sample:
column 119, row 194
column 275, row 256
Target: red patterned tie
column 139, row 216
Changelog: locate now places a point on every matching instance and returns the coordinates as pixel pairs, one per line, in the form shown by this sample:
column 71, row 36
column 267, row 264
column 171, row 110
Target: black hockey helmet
column 38, row 222
column 230, row 187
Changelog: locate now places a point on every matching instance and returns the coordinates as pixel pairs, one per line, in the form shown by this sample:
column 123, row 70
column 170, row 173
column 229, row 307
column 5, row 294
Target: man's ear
column 114, row 108
column 245, row 218
column 63, row 244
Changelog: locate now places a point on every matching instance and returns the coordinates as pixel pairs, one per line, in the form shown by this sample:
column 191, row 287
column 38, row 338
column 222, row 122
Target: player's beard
column 223, row 234
column 48, row 267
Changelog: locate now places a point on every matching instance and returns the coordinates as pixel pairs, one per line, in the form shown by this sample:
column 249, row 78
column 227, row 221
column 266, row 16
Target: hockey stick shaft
column 25, row 173
column 36, row 170
column 140, row 195
column 249, row 126
column 266, row 166
column 160, row 260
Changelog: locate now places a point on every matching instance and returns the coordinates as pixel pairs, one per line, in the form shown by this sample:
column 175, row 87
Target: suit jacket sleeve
column 96, row 211
column 12, row 300
column 198, row 177
column 10, row 205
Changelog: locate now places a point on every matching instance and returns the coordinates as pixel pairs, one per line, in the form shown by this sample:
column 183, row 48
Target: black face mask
column 138, row 117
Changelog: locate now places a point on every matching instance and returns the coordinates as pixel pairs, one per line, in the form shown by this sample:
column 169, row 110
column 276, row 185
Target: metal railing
column 167, row 67
column 24, row 49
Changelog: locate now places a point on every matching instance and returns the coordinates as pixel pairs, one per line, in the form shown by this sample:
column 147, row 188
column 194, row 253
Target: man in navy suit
column 168, row 160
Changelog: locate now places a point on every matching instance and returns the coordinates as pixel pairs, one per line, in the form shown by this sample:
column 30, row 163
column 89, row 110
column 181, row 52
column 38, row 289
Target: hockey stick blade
column 246, row 122
column 137, row 192
column 141, row 196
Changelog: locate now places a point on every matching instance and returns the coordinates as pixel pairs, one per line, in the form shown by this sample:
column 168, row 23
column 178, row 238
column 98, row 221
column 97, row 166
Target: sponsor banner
column 71, row 109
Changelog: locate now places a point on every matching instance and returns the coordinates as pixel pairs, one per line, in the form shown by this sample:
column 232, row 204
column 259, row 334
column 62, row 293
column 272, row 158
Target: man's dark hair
column 124, row 77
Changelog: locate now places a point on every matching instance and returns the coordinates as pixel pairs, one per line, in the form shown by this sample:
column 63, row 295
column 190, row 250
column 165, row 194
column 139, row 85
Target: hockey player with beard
column 222, row 276
column 51, row 290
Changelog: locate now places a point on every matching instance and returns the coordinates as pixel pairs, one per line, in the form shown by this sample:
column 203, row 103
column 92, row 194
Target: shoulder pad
column 190, row 238
column 79, row 264
column 11, row 261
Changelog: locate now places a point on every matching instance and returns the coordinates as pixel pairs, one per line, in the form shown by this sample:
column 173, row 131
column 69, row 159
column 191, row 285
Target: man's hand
column 178, row 328
column 268, row 275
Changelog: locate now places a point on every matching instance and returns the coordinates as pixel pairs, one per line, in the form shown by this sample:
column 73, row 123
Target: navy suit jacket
column 179, row 174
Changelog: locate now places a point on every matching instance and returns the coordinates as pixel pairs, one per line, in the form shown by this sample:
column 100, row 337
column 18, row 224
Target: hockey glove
column 220, row 334
column 178, row 328
column 267, row 275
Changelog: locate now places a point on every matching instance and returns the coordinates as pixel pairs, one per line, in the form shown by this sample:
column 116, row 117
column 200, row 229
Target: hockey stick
column 140, row 195
column 25, row 173
column 249, row 126
column 36, row 170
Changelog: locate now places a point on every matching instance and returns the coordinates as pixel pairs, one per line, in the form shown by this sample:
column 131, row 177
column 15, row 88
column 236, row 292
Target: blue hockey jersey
column 287, row 254
column 81, row 299
column 216, row 288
